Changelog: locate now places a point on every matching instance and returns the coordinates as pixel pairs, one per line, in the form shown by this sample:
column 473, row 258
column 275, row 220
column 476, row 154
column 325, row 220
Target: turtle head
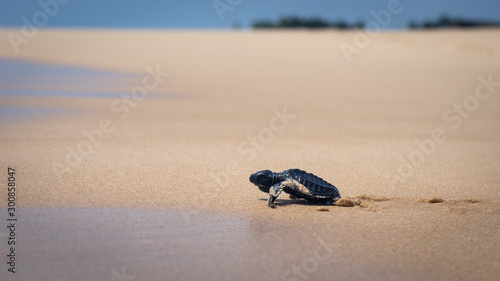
column 263, row 180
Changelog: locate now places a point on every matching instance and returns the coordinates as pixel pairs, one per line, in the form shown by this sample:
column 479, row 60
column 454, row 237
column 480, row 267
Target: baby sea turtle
column 295, row 182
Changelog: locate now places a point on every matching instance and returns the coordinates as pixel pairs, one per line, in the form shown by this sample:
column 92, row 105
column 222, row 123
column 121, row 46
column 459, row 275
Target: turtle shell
column 315, row 187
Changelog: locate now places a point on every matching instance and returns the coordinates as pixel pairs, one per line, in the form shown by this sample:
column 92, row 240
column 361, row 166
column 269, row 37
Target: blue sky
column 202, row 14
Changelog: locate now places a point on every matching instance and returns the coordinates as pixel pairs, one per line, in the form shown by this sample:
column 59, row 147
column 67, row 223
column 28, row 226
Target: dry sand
column 166, row 195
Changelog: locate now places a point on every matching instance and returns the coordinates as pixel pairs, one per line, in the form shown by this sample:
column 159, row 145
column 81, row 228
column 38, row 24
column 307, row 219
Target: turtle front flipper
column 274, row 192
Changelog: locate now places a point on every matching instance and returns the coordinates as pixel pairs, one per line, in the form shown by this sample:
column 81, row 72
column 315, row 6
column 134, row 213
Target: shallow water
column 23, row 78
column 59, row 93
column 14, row 113
column 34, row 69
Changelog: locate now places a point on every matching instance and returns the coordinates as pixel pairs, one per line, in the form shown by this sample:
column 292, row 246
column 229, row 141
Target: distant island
column 451, row 22
column 319, row 23
column 313, row 23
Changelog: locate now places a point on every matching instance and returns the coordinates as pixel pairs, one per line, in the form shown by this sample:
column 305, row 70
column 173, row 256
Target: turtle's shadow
column 287, row 202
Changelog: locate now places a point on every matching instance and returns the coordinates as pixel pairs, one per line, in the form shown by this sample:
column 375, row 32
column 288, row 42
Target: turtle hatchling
column 295, row 182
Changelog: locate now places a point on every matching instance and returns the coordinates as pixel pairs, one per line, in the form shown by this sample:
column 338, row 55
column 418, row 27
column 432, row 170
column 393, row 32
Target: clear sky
column 202, row 14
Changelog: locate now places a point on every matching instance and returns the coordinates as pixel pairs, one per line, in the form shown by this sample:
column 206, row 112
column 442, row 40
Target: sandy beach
column 132, row 151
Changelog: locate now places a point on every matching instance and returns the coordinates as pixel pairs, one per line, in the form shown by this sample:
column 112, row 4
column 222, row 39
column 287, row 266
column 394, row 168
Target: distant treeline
column 317, row 22
column 447, row 22
column 313, row 22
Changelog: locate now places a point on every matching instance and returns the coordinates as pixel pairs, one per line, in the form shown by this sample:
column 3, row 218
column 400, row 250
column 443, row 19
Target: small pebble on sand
column 322, row 209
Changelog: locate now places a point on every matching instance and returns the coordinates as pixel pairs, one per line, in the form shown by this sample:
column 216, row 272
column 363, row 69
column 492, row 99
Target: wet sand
column 165, row 194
